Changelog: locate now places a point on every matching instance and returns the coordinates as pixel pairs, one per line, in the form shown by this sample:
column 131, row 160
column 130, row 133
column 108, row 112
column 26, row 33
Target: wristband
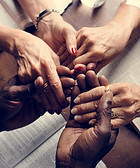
column 43, row 14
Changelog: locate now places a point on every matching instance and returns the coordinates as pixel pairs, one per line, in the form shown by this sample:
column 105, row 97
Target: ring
column 107, row 88
column 114, row 114
column 45, row 86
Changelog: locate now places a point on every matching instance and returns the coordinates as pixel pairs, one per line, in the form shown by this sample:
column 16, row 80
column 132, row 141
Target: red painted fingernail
column 74, row 51
column 79, row 69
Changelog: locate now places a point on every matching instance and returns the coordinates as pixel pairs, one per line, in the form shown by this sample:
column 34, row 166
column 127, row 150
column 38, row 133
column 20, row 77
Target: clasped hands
column 81, row 144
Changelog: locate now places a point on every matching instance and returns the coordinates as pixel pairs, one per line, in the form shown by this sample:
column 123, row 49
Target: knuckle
column 89, row 40
column 127, row 100
column 130, row 113
column 55, row 85
column 45, row 61
column 83, row 30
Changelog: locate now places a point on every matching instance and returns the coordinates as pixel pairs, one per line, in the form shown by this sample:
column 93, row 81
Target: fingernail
column 91, row 122
column 74, row 51
column 77, row 117
column 74, row 110
column 77, row 100
column 79, row 68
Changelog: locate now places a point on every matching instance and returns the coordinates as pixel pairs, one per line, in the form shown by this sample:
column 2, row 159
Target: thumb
column 27, row 90
column 104, row 111
column 70, row 38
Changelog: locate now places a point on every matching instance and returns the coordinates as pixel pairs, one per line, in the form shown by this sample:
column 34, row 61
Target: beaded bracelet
column 43, row 14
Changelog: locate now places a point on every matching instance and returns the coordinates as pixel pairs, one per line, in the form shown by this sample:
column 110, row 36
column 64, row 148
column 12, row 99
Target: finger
column 91, row 66
column 46, row 104
column 83, row 49
column 67, row 82
column 62, row 50
column 85, row 117
column 81, row 81
column 56, row 85
column 90, row 95
column 25, row 91
column 69, row 60
column 84, row 59
column 92, row 122
column 75, row 92
column 104, row 111
column 122, row 116
column 120, row 100
column 67, row 92
column 78, row 69
column 117, row 123
column 55, row 106
column 70, row 38
column 92, row 80
column 64, row 56
column 85, row 107
column 103, row 80
column 63, row 71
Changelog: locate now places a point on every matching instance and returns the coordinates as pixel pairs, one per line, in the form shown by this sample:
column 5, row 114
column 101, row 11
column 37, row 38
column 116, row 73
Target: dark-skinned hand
column 82, row 145
column 19, row 105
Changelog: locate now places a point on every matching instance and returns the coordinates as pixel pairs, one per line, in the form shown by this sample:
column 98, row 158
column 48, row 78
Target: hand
column 98, row 45
column 82, row 146
column 56, row 32
column 18, row 106
column 125, row 105
column 35, row 58
column 87, row 112
column 48, row 99
column 67, row 81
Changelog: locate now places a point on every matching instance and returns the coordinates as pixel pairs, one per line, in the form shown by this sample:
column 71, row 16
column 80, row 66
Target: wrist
column 50, row 19
column 128, row 17
column 6, row 39
column 44, row 14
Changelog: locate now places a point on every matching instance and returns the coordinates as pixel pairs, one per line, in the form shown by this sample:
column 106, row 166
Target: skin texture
column 101, row 45
column 19, row 105
column 82, row 145
column 56, row 32
column 34, row 58
column 126, row 103
column 48, row 99
column 52, row 28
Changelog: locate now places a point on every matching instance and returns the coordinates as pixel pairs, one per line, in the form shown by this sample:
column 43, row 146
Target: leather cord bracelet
column 43, row 14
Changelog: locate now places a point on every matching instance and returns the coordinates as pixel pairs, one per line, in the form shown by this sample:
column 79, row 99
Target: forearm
column 11, row 39
column 135, row 3
column 34, row 7
column 6, row 39
column 128, row 17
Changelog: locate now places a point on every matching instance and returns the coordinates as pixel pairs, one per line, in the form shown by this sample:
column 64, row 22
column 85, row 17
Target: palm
column 84, row 144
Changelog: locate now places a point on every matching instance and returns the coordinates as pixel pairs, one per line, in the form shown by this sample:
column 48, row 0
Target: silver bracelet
column 43, row 14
